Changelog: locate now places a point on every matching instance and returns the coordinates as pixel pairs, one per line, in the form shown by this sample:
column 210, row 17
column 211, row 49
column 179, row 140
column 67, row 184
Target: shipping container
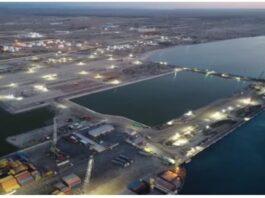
column 14, row 164
column 72, row 180
column 3, row 163
column 31, row 167
column 168, row 175
column 20, row 168
column 139, row 187
column 24, row 178
column 36, row 175
column 164, row 185
column 8, row 184
column 60, row 186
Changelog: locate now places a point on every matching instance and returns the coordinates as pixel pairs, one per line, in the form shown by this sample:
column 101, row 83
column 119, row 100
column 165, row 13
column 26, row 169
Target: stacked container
column 24, row 178
column 3, row 163
column 63, row 188
column 72, row 180
column 36, row 175
column 15, row 164
column 8, row 184
column 20, row 168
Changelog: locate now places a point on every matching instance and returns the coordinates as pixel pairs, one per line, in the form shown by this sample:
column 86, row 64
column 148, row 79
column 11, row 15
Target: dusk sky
column 147, row 5
column 183, row 5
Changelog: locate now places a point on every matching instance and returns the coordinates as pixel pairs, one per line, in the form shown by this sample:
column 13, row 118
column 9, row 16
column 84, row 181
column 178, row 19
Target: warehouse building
column 101, row 130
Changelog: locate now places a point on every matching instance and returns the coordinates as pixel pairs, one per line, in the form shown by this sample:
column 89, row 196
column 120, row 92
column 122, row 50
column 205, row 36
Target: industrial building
column 101, row 130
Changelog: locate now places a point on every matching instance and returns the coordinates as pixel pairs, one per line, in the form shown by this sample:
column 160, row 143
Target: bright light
column 178, row 69
column 137, row 62
column 217, row 116
column 225, row 75
column 41, row 88
column 170, row 122
column 207, row 127
column 187, row 130
column 31, row 70
column 50, row 77
column 10, row 97
column 115, row 82
column 112, row 66
column 176, row 136
column 83, row 72
column 130, row 55
column 170, row 160
column 193, row 151
column 92, row 56
column 230, row 108
column 238, row 78
column 98, row 76
column 80, row 64
column 61, row 106
column 19, row 98
column 148, row 149
column 180, row 142
column 246, row 119
column 162, row 63
column 189, row 113
column 210, row 73
column 247, row 101
column 13, row 85
column 111, row 58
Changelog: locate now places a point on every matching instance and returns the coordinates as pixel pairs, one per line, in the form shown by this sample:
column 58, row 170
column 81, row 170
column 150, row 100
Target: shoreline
column 146, row 55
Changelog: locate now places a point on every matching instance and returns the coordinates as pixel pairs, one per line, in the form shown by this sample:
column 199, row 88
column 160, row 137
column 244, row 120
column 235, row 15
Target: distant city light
column 247, row 101
column 170, row 122
column 50, row 77
column 210, row 73
column 10, row 97
column 137, row 62
column 115, row 82
column 98, row 76
column 80, row 64
column 189, row 113
column 92, row 56
column 62, row 106
column 41, row 88
column 83, row 72
column 217, row 116
column 13, row 85
column 31, row 70
column 113, row 67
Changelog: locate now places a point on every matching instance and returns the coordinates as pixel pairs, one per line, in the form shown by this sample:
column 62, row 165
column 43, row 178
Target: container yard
column 128, row 157
column 17, row 172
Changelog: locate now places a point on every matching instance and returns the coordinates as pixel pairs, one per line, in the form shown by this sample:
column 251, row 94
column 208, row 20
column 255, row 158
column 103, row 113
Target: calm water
column 15, row 124
column 243, row 56
column 159, row 100
column 235, row 164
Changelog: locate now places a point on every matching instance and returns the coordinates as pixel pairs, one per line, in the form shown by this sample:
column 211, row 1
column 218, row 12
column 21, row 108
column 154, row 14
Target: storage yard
column 92, row 153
